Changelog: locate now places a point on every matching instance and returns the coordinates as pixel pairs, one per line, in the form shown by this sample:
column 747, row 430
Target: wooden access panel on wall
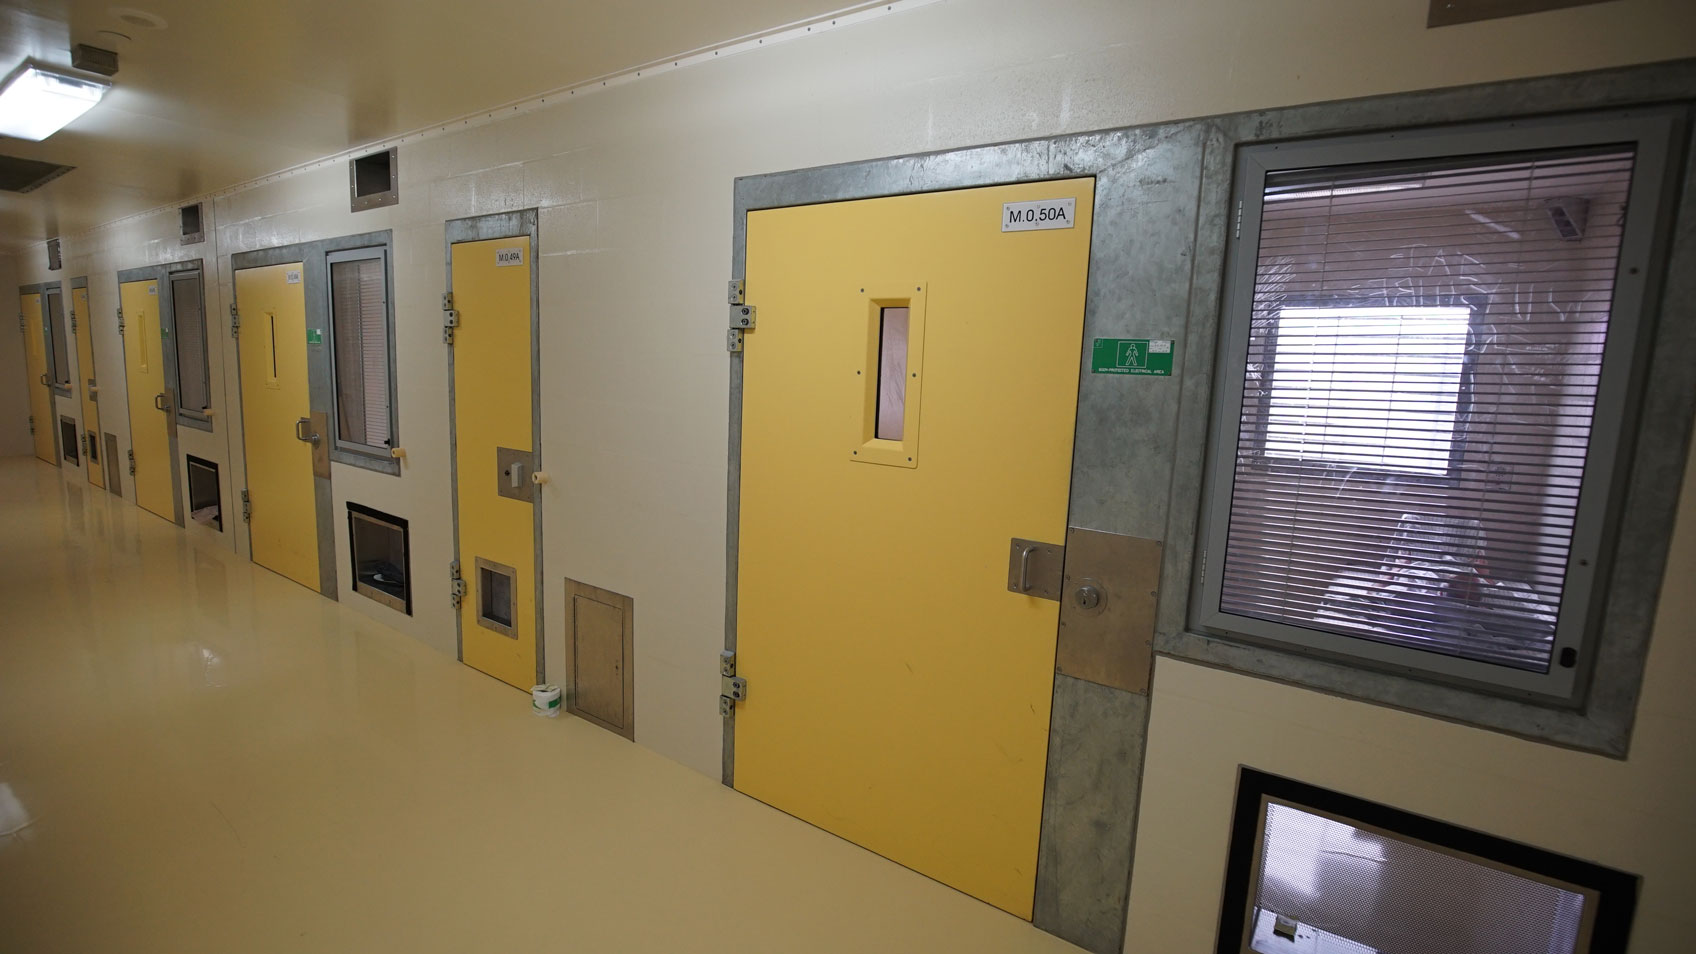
column 599, row 646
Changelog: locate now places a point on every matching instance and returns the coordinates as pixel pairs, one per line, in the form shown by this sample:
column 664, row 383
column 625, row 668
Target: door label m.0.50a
column 1041, row 214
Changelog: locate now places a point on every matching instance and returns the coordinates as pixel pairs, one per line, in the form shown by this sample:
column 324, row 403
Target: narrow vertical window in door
column 892, row 375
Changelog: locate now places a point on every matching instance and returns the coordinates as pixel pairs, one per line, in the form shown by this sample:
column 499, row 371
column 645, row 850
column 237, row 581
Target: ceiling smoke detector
column 139, row 18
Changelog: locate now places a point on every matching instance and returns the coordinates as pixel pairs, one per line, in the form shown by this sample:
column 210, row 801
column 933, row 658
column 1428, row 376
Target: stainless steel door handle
column 301, row 431
column 44, row 379
column 515, row 474
column 159, row 402
column 1025, row 569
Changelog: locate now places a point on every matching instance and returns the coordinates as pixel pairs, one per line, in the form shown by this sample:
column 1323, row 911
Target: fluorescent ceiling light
column 1345, row 190
column 36, row 103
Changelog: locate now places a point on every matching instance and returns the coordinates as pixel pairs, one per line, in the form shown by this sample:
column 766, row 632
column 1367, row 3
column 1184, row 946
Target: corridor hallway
column 198, row 755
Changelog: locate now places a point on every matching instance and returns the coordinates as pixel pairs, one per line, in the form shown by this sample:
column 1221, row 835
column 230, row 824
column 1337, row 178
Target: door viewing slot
column 1315, row 870
column 496, row 587
column 892, row 374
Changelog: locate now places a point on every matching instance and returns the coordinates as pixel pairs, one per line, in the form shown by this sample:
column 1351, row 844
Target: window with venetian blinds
column 1418, row 394
column 188, row 314
column 359, row 304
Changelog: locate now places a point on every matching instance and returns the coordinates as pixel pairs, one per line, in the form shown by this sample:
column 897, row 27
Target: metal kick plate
column 321, row 449
column 509, row 485
column 1037, row 574
column 1111, row 585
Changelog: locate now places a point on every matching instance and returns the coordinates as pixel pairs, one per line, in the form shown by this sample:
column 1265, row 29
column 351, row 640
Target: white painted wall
column 1634, row 814
column 634, row 186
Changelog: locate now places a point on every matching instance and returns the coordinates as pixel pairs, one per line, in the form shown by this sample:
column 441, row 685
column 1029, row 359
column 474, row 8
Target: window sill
column 199, row 422
column 62, row 390
column 1603, row 726
column 365, row 461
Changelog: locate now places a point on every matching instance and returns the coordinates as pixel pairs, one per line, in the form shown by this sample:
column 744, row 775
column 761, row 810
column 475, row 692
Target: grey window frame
column 348, row 452
column 189, row 417
column 1618, row 397
column 54, row 291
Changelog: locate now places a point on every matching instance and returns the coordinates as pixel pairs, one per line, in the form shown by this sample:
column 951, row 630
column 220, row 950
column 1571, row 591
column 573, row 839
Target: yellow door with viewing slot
column 276, row 414
column 150, row 399
column 908, row 402
column 84, row 329
column 494, row 457
column 42, row 418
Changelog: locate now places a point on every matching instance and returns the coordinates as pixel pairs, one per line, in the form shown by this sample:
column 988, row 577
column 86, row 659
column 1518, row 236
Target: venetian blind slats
column 1420, row 383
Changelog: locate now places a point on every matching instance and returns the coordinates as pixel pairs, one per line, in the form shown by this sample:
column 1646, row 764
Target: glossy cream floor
column 197, row 755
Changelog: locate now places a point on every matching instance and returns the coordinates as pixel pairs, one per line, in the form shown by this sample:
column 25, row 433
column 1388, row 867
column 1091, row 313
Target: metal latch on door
column 303, row 431
column 1035, row 568
column 731, row 687
column 516, row 476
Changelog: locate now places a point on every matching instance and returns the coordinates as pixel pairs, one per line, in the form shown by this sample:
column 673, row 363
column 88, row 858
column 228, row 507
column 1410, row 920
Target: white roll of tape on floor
column 544, row 700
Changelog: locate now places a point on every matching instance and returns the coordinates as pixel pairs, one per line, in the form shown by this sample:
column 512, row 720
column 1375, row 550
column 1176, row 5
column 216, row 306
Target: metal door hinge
column 731, row 687
column 738, row 292
column 450, row 319
column 120, row 322
column 132, row 462
column 456, row 584
column 741, row 322
column 73, row 313
column 246, row 508
column 1239, row 230
column 23, row 326
column 83, row 440
column 32, row 423
column 235, row 321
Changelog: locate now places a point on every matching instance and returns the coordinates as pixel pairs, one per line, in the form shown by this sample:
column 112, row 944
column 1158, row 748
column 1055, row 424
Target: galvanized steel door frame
column 41, row 289
column 320, row 368
column 1139, row 456
column 480, row 228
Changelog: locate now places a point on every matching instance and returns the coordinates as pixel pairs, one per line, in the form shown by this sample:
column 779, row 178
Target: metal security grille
column 1421, row 374
column 359, row 302
column 1350, row 890
column 189, row 318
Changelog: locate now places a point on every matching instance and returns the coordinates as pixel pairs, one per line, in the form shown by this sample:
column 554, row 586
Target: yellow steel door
column 898, row 693
column 92, row 454
column 283, row 530
column 40, row 393
column 492, row 393
column 150, row 417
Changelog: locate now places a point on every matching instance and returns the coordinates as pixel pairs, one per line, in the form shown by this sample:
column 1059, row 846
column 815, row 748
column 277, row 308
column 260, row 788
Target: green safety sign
column 314, row 336
column 1131, row 356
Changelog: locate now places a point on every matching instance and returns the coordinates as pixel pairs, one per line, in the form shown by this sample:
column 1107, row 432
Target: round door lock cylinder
column 1089, row 596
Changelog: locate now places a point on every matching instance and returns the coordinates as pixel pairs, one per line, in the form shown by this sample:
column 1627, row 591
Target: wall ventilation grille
column 27, row 175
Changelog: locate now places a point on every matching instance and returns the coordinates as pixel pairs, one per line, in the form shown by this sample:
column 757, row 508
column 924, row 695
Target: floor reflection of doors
column 277, row 423
column 88, row 387
column 898, row 691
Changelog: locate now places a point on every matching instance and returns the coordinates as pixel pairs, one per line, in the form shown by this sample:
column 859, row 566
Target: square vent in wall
column 27, row 175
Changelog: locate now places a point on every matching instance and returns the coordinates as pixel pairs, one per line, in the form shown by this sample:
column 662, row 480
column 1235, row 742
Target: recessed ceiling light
column 139, row 18
column 36, row 103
